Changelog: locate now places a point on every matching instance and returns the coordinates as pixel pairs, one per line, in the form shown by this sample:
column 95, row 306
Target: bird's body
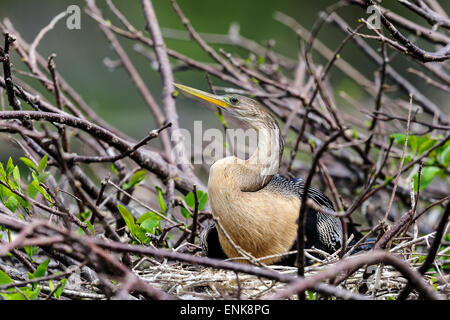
column 267, row 221
column 257, row 208
column 259, row 229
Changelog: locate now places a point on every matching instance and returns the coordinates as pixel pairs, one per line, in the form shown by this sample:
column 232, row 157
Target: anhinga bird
column 256, row 207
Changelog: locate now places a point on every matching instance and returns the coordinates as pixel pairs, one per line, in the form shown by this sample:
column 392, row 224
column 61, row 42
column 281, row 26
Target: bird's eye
column 234, row 100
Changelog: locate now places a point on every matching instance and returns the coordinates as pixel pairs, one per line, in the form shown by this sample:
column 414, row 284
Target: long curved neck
column 257, row 171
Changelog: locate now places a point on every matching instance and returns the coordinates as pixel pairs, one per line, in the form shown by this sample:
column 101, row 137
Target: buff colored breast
column 263, row 223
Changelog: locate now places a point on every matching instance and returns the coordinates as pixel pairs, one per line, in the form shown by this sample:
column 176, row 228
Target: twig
column 227, row 66
column 429, row 80
column 168, row 87
column 103, row 183
column 52, row 69
column 9, row 85
column 134, row 75
column 420, row 54
column 432, row 17
column 369, row 258
column 169, row 254
column 149, row 208
column 431, row 253
column 89, row 159
column 40, row 35
column 401, row 162
column 378, row 99
column 301, row 232
column 148, row 160
column 35, row 280
column 404, row 84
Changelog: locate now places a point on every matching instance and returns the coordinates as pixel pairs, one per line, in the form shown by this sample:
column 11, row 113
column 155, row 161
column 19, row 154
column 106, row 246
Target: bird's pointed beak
column 217, row 100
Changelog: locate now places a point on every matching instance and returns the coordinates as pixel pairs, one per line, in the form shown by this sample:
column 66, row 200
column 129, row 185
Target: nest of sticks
column 380, row 281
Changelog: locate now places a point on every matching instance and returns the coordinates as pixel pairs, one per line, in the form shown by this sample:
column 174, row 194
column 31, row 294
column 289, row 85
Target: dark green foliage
column 436, row 163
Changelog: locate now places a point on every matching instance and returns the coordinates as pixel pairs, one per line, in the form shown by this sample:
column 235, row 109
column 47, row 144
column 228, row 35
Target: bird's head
column 243, row 108
column 266, row 160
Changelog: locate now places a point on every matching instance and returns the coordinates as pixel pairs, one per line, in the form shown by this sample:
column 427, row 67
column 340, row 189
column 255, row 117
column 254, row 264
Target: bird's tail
column 365, row 245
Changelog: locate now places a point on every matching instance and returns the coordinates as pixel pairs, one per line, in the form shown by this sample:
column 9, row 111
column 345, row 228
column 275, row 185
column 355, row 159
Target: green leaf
column 12, row 203
column 6, row 192
column 9, row 167
column 425, row 143
column 80, row 231
column 60, row 290
column 34, row 187
column 427, row 176
column 84, row 215
column 140, row 235
column 40, row 270
column 185, row 213
column 447, row 237
column 2, row 172
column 22, row 202
column 90, row 226
column 148, row 215
column 388, row 179
column 418, row 144
column 128, row 218
column 13, row 296
column 29, row 293
column 4, row 278
column 43, row 163
column 30, row 251
column 32, row 190
column 413, row 143
column 202, row 199
column 28, row 163
column 43, row 176
column 255, row 80
column 445, row 156
column 399, row 138
column 150, row 225
column 137, row 178
column 161, row 201
column 190, row 199
column 114, row 170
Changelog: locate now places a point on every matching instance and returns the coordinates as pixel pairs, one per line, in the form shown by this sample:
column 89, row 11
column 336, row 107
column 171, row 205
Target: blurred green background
column 80, row 53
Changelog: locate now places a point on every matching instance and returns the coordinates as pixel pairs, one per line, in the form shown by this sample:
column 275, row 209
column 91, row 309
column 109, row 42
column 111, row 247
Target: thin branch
column 413, row 276
column 431, row 253
column 195, row 216
column 41, row 34
column 401, row 162
column 301, row 232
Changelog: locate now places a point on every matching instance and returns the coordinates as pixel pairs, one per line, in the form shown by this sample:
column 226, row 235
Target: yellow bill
column 218, row 100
